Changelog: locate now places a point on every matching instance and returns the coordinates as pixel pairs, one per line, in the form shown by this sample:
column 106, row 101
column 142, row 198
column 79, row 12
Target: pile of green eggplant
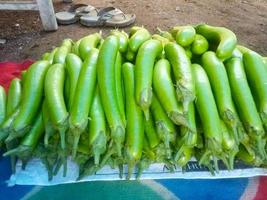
column 138, row 99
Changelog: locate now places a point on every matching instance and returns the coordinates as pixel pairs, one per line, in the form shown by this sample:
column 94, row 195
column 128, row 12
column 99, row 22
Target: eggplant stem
column 62, row 137
column 215, row 162
column 77, row 134
column 58, row 165
column 131, row 165
column 179, row 153
column 46, row 139
column 13, row 161
column 121, row 170
column 110, row 151
column 204, row 157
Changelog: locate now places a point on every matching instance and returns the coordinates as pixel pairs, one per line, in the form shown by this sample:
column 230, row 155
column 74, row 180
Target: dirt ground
column 26, row 39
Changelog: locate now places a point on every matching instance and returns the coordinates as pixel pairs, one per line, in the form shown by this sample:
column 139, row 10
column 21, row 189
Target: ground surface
column 26, row 39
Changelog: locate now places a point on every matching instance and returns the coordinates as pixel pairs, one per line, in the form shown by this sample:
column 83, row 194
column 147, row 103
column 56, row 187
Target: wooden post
column 47, row 15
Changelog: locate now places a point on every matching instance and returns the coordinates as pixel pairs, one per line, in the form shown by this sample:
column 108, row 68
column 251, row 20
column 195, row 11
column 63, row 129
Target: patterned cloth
column 219, row 189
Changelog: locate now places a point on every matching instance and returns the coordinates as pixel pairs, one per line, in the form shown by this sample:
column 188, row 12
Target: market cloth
column 217, row 189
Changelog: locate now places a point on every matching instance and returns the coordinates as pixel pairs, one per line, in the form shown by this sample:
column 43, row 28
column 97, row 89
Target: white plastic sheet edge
column 36, row 174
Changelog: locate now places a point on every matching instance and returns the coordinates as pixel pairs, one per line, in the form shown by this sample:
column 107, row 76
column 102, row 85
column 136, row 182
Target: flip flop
column 74, row 13
column 109, row 16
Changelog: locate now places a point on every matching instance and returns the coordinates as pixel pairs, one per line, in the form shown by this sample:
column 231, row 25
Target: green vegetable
column 229, row 145
column 107, row 89
column 51, row 55
column 75, row 47
column 243, row 49
column 60, row 55
column 148, row 157
column 119, row 85
column 55, row 99
column 184, row 35
column 221, row 89
column 23, row 76
column 100, row 43
column 144, row 73
column 245, row 104
column 31, row 99
column 185, row 157
column 97, row 129
column 151, row 133
column 160, row 38
column 166, row 35
column 87, row 44
column 5, row 126
column 14, row 96
column 3, row 111
column 48, row 126
column 135, row 121
column 3, row 105
column 257, row 78
column 67, row 43
column 54, row 95
column 200, row 45
column 29, row 142
column 49, row 155
column 248, row 158
column 181, row 66
column 164, row 89
column 130, row 55
column 45, row 56
column 243, row 136
column 237, row 53
column 188, row 138
column 138, row 38
column 73, row 66
column 13, row 100
column 189, row 134
column 209, row 116
column 123, row 39
column 188, row 52
column 138, row 35
column 133, row 30
column 165, row 128
column 83, row 98
column 224, row 39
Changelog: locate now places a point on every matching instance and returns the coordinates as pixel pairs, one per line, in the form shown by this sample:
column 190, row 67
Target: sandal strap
column 108, row 13
column 105, row 10
column 74, row 7
column 81, row 9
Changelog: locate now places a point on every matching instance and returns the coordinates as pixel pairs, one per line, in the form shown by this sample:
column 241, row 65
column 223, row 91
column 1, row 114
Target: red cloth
column 10, row 70
column 262, row 189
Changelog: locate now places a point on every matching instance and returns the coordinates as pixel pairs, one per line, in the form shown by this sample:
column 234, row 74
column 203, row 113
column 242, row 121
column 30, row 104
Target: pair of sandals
column 90, row 16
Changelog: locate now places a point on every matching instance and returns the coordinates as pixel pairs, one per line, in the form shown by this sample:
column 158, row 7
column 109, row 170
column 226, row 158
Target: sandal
column 109, row 16
column 74, row 13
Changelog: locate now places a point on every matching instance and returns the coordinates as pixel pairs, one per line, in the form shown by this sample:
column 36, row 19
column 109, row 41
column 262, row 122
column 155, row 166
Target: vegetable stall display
column 139, row 99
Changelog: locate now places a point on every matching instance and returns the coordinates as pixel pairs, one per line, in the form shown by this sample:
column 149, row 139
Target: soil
column 26, row 38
